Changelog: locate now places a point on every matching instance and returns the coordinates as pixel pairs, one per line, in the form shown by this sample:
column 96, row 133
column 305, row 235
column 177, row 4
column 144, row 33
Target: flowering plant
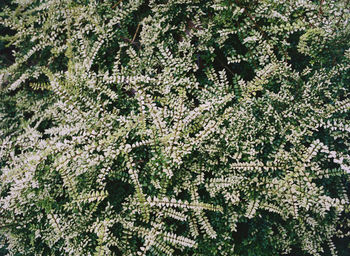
column 156, row 127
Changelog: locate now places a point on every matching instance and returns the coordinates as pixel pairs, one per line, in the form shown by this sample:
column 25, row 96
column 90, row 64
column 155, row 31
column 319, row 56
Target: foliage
column 175, row 127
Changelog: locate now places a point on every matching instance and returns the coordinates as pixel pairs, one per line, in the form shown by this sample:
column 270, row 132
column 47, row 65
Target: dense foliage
column 176, row 127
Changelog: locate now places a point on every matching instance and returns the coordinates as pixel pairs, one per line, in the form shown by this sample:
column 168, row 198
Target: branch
column 137, row 30
column 320, row 11
column 257, row 26
column 8, row 225
column 117, row 4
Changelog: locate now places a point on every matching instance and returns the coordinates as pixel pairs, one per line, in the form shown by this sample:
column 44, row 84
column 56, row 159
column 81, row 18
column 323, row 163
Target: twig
column 117, row 4
column 7, row 226
column 320, row 11
column 225, row 66
column 137, row 30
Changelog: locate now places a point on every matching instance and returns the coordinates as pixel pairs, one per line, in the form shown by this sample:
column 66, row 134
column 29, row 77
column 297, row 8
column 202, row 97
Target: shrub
column 175, row 127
